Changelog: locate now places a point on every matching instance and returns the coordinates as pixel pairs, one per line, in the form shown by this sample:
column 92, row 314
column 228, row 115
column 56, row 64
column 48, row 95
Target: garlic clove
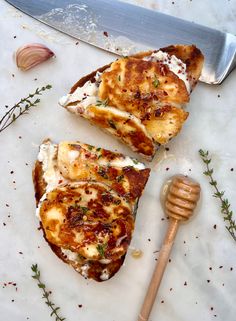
column 31, row 55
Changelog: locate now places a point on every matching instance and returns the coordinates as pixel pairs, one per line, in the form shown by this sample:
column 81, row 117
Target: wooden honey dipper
column 180, row 202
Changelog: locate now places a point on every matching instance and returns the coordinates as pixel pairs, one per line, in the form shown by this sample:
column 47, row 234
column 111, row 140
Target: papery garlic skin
column 31, row 55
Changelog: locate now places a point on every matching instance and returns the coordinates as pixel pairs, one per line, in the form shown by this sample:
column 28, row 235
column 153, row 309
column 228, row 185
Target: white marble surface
column 198, row 246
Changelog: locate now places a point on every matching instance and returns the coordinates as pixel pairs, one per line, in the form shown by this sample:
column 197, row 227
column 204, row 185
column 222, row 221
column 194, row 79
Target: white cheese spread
column 122, row 162
column 105, row 275
column 72, row 256
column 85, row 95
column 175, row 65
column 48, row 157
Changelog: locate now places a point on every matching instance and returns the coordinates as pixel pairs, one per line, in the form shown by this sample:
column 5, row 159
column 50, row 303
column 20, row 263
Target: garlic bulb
column 31, row 55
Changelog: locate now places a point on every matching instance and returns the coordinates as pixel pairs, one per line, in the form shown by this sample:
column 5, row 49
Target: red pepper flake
column 214, row 226
column 60, row 181
column 221, row 266
column 105, row 33
column 232, row 169
column 80, row 305
column 185, row 283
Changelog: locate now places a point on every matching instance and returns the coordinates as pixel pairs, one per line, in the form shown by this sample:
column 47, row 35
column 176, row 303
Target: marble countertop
column 200, row 281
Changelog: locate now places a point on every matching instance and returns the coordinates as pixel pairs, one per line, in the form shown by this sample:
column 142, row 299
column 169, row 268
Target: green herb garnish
column 156, row 82
column 119, row 78
column 102, row 102
column 225, row 205
column 46, row 294
column 90, row 147
column 84, row 209
column 135, row 161
column 21, row 108
column 101, row 249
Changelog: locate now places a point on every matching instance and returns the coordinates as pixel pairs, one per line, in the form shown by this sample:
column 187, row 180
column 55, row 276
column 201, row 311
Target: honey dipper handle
column 159, row 270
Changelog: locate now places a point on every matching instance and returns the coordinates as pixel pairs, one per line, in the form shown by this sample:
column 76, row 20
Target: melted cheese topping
column 175, row 65
column 87, row 218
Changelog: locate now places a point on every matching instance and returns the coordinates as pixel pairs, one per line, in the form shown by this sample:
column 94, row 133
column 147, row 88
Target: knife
column 124, row 29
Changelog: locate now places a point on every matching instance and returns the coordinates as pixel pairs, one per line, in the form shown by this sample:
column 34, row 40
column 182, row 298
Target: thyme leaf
column 102, row 102
column 101, row 249
column 225, row 205
column 21, row 108
column 156, row 82
column 46, row 294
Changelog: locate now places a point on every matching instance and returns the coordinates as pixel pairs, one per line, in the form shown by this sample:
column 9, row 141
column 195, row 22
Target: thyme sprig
column 46, row 294
column 225, row 205
column 21, row 108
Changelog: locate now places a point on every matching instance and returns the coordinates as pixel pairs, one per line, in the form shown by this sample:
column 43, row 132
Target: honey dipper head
column 181, row 198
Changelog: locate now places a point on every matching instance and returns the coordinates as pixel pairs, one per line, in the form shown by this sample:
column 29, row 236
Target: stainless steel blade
column 124, row 29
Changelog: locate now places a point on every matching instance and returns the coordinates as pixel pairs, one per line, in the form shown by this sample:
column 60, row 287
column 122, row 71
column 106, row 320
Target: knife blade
column 124, row 29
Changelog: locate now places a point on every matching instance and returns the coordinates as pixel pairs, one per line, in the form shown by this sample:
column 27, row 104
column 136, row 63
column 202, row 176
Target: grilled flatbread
column 139, row 99
column 87, row 200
